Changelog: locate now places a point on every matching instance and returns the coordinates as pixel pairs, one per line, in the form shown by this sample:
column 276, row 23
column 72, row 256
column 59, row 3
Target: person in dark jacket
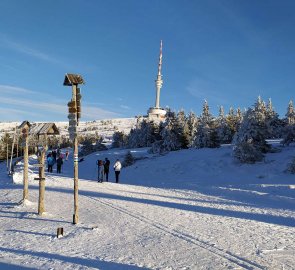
column 59, row 163
column 54, row 155
column 106, row 169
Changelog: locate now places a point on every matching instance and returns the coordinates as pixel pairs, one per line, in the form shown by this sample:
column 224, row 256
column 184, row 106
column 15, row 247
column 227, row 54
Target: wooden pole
column 17, row 148
column 12, row 148
column 26, row 165
column 41, row 206
column 7, row 157
column 76, row 180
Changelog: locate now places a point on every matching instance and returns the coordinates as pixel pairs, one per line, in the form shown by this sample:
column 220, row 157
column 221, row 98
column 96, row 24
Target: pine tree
column 289, row 129
column 170, row 133
column 6, row 140
column 273, row 123
column 206, row 134
column 119, row 139
column 290, row 115
column 250, row 141
column 128, row 159
column 192, row 123
column 182, row 130
column 222, row 128
column 144, row 135
column 233, row 122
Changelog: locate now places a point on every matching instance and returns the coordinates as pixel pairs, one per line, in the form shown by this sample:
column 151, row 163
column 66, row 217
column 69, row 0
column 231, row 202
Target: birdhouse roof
column 71, row 79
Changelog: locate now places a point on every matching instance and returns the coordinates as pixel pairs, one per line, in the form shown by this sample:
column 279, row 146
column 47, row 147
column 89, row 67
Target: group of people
column 104, row 169
column 57, row 157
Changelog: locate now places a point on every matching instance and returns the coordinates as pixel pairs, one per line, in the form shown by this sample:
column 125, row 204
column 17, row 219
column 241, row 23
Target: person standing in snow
column 50, row 163
column 106, row 169
column 54, row 155
column 117, row 169
column 59, row 163
column 100, row 171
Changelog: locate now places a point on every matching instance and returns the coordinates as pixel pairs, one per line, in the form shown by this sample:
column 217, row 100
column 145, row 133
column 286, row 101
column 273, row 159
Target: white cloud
column 206, row 89
column 125, row 107
column 97, row 113
column 24, row 49
column 19, row 105
column 14, row 90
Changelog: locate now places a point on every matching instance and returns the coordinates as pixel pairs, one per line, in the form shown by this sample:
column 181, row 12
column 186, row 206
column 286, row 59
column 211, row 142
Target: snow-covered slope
column 190, row 209
column 104, row 128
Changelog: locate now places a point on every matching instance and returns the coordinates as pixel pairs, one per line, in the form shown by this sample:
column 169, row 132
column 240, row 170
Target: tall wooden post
column 7, row 157
column 76, row 179
column 12, row 148
column 41, row 207
column 26, row 165
column 17, row 148
column 74, row 116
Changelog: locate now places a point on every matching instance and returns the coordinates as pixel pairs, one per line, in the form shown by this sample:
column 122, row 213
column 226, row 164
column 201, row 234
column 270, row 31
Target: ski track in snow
column 246, row 264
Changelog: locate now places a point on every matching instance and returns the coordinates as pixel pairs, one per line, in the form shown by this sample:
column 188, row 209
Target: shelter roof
column 44, row 129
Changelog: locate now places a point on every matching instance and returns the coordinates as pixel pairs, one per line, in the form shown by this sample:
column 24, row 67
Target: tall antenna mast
column 159, row 81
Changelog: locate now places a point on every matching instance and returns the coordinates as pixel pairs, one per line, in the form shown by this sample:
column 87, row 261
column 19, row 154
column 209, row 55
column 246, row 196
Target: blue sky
column 227, row 52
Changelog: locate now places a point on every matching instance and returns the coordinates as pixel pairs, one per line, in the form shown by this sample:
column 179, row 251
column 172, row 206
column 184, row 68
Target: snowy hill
column 104, row 128
column 190, row 209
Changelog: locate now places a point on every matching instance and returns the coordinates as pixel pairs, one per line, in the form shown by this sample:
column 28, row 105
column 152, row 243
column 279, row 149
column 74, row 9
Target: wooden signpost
column 74, row 115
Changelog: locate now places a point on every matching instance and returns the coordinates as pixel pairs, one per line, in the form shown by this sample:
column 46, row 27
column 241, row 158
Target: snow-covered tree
column 128, row 160
column 206, row 134
column 290, row 115
column 288, row 134
column 192, row 123
column 289, row 128
column 223, row 130
column 5, row 140
column 170, row 133
column 89, row 146
column 119, row 139
column 182, row 130
column 144, row 135
column 250, row 141
column 233, row 122
column 273, row 123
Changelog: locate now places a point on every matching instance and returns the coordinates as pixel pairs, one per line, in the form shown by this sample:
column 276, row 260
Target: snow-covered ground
column 190, row 209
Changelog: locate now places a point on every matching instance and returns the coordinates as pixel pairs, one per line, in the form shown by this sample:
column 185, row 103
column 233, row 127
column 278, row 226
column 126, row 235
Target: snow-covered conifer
column 170, row 133
column 128, row 160
column 290, row 115
column 273, row 123
column 192, row 123
column 250, row 141
column 182, row 130
column 119, row 139
column 206, row 135
column 143, row 135
column 222, row 129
